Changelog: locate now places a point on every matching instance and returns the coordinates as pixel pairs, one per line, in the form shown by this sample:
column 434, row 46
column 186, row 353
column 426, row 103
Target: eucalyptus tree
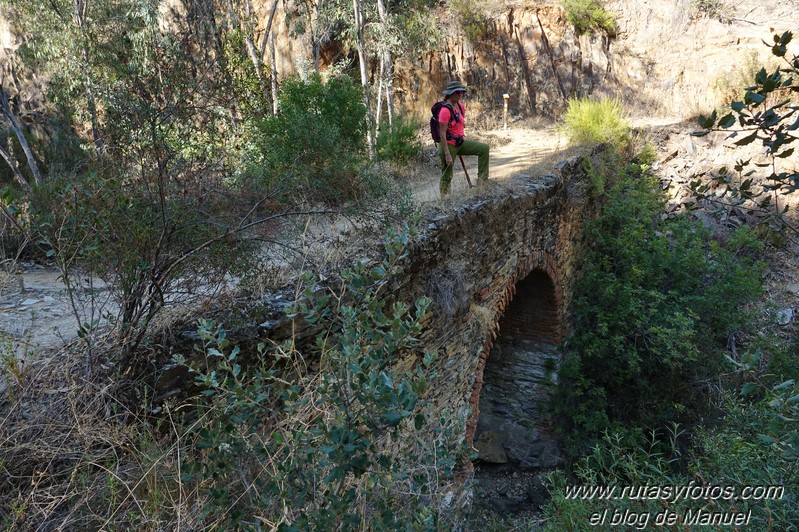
column 13, row 123
column 391, row 29
column 244, row 16
column 373, row 33
column 386, row 66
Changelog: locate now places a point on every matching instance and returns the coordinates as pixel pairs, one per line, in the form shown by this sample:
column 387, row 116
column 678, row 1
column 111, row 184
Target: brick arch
column 532, row 313
column 536, row 314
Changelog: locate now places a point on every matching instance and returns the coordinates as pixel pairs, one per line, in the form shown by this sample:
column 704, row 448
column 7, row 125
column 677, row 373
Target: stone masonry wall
column 469, row 262
column 533, row 312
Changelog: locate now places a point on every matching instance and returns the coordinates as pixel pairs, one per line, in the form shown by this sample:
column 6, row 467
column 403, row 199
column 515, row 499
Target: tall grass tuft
column 589, row 121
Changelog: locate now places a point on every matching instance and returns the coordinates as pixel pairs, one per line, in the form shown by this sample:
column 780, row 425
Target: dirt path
column 513, row 151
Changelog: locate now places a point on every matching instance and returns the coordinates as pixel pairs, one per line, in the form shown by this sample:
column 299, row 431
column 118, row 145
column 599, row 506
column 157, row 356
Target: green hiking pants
column 469, row 147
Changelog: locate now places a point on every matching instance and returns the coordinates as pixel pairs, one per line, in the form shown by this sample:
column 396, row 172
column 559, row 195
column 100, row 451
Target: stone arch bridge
column 499, row 268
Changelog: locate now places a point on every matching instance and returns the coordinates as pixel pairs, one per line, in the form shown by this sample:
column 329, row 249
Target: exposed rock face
column 671, row 57
column 530, row 53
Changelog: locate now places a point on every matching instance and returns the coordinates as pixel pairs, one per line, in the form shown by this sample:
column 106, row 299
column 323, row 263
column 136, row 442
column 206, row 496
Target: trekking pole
column 465, row 172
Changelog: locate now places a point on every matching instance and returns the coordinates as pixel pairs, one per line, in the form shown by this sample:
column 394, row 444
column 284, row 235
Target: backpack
column 434, row 133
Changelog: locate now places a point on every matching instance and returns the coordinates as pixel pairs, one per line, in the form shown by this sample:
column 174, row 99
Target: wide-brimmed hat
column 453, row 86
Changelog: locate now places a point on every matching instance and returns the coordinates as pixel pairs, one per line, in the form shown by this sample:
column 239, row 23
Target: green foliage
column 729, row 459
column 399, row 143
column 588, row 121
column 416, row 30
column 249, row 91
column 315, row 147
column 474, row 24
column 623, row 458
column 654, row 304
column 147, row 244
column 588, row 16
column 767, row 114
column 348, row 450
column 778, row 392
column 138, row 96
column 749, row 448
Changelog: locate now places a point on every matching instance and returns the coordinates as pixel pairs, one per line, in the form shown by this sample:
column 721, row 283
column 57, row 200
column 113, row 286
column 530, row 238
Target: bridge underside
column 520, row 370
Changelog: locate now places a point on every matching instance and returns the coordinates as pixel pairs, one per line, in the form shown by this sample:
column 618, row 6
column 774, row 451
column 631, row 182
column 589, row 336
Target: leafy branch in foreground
column 767, row 114
column 339, row 447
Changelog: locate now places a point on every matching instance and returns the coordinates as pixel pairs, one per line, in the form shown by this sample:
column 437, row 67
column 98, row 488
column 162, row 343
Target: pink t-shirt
column 458, row 129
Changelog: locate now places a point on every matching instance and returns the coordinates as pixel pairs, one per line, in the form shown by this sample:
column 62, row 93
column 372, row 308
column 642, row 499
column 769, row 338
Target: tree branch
column 17, row 129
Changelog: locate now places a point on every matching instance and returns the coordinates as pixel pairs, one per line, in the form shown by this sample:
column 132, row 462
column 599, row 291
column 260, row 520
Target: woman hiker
column 451, row 126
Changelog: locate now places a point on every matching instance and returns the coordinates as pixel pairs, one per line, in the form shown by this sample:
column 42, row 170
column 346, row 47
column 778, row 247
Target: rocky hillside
column 668, row 58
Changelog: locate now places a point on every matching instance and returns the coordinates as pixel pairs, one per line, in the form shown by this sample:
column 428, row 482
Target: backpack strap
column 453, row 116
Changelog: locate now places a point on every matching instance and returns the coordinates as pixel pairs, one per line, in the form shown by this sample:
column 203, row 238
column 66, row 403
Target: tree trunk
column 274, row 73
column 379, row 109
column 268, row 29
column 317, row 38
column 255, row 57
column 26, row 188
column 5, row 107
column 389, row 87
column 270, row 36
column 81, row 9
column 357, row 7
column 387, row 65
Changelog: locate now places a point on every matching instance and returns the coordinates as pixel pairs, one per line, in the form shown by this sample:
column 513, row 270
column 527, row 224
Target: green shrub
column 149, row 243
column 728, row 459
column 743, row 450
column 314, row 148
column 622, row 458
column 474, row 24
column 588, row 121
column 347, row 447
column 589, row 15
column 399, row 143
column 652, row 310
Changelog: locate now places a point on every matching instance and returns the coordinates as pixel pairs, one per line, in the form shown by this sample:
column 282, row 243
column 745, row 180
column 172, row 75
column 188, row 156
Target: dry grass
column 80, row 454
column 98, row 454
column 445, row 287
